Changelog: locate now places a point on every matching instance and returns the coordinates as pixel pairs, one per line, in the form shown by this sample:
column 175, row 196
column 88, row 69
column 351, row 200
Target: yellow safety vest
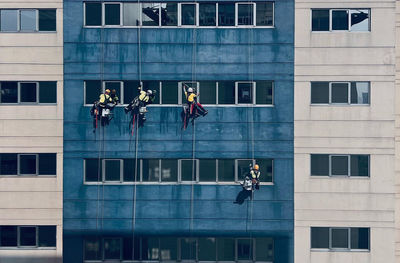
column 191, row 97
column 104, row 98
column 143, row 96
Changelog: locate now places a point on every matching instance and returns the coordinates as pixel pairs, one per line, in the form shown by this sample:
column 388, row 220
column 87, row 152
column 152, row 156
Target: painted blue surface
column 221, row 54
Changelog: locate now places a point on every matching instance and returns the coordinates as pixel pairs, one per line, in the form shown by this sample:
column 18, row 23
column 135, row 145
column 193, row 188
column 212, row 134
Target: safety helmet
column 190, row 90
column 149, row 92
column 107, row 91
column 256, row 167
column 114, row 91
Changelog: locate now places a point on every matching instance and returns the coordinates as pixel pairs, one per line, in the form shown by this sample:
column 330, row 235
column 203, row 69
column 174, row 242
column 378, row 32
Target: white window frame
column 180, row 14
column 103, row 14
column 177, row 171
column 273, row 15
column 348, row 92
column 141, row 15
column 36, row 22
column 216, row 15
column 237, row 13
column 19, row 237
column 369, row 93
column 273, row 94
column 19, row 164
column 196, row 172
column 253, row 90
column 121, row 86
column 19, row 92
column 102, row 244
column 369, row 19
column 179, row 252
column 84, row 15
column 348, row 165
column 253, row 161
column 331, row 19
column 180, row 90
column 121, row 170
column 140, row 164
column 18, row 20
column 348, row 239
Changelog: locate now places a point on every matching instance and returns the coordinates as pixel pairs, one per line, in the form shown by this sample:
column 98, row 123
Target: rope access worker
column 195, row 108
column 254, row 174
column 101, row 109
column 114, row 96
column 138, row 105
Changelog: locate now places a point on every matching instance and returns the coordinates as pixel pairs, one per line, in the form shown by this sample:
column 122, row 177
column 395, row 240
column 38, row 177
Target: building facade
column 31, row 130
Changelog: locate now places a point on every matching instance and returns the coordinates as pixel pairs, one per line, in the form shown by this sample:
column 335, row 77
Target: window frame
column 181, row 93
column 103, row 14
column 37, row 83
column 197, row 168
column 348, row 249
column 237, row 14
column 331, row 19
column 19, row 164
column 19, row 92
column 348, row 92
column 348, row 166
column 196, row 4
column 253, row 161
column 349, row 20
column 36, row 22
column 121, row 171
column 253, row 90
column 19, row 236
column 121, row 86
column 331, row 239
column 141, row 15
column 216, row 15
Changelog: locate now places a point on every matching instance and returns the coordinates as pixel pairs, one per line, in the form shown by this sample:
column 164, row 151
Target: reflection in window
column 244, row 249
column 131, row 14
column 340, row 20
column 169, row 170
column 28, row 20
column 9, row 20
column 207, row 13
column 169, row 14
column 245, row 93
column 9, row 92
column 93, row 249
column 150, row 14
column 188, row 14
column 112, row 248
column 265, row 14
column 264, row 249
column 264, row 92
column 151, row 170
column 150, row 248
column 245, row 14
column 359, row 20
column 320, row 20
column 168, row 248
column 360, row 93
column 112, row 14
column 226, row 14
column 47, row 20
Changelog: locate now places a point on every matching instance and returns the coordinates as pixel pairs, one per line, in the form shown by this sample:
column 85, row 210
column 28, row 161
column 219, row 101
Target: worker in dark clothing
column 254, row 175
column 114, row 97
column 137, row 107
column 101, row 109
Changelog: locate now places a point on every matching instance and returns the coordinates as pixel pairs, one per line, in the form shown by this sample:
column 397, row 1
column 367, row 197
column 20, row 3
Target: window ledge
column 340, row 177
column 339, row 105
column 339, row 250
column 28, row 248
column 174, row 183
column 28, row 176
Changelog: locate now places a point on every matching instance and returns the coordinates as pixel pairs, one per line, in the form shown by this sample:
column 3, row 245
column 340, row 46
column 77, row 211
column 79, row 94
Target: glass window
column 154, row 86
column 359, row 238
column 339, row 165
column 47, row 163
column 319, row 164
column 320, row 237
column 340, row 20
column 226, row 249
column 244, row 249
column 169, row 14
column 131, row 14
column 27, row 164
column 265, row 14
column 266, row 169
column 245, row 93
column 130, row 90
column 47, row 20
column 245, row 14
column 47, row 236
column 8, row 164
column 243, row 168
column 320, row 20
column 151, row 170
column 208, row 92
column 187, row 173
column 9, row 92
column 93, row 14
column 340, row 238
column 188, row 249
column 92, row 91
column 112, row 14
column 150, row 14
column 92, row 173
column 129, row 170
column 207, row 170
column 117, row 86
column 226, row 14
column 127, row 253
column 28, row 20
column 359, row 93
column 112, row 170
column 48, row 92
column 27, row 236
column 188, row 14
column 226, row 170
column 8, row 20
column 207, row 14
column 359, row 20
column 168, row 248
column 264, row 92
column 93, row 249
column 28, row 92
column 340, row 93
column 150, row 248
column 112, row 248
column 226, row 92
column 264, row 249
column 359, row 165
column 8, row 236
column 169, row 170
column 207, row 249
column 169, row 92
column 320, row 92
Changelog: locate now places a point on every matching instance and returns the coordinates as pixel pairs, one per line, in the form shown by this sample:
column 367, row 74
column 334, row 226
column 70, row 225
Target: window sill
column 340, row 31
column 182, row 27
column 174, row 183
column 205, row 105
column 28, row 176
column 339, row 177
column 24, row 32
column 339, row 105
column 28, row 104
column 339, row 250
column 28, row 248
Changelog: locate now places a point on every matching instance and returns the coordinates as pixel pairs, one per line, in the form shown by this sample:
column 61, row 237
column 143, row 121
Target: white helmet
column 190, row 90
column 149, row 92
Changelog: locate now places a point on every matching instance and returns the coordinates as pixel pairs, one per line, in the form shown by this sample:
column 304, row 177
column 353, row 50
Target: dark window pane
column 207, row 14
column 48, row 92
column 154, row 86
column 28, row 92
column 112, row 248
column 244, row 249
column 169, row 170
column 47, row 20
column 112, row 14
column 359, row 20
column 360, row 92
column 47, row 236
column 245, row 14
column 168, row 248
column 150, row 248
column 340, row 238
column 245, row 93
column 188, row 249
column 207, row 249
column 340, row 165
column 169, row 14
column 320, row 92
column 226, row 14
column 266, row 170
column 340, row 93
column 226, row 170
column 319, row 237
column 131, row 14
column 319, row 164
column 187, row 172
column 207, row 170
column 92, row 173
column 93, row 14
column 264, row 92
column 188, row 14
column 243, row 168
column 264, row 249
column 359, row 238
column 151, row 170
column 265, row 14
column 9, row 20
column 208, row 92
column 320, row 20
column 112, row 170
column 150, row 14
column 8, row 164
column 359, row 165
column 47, row 163
column 340, row 20
column 27, row 164
column 8, row 236
column 9, row 92
column 93, row 249
column 226, row 92
column 169, row 92
column 129, row 170
column 27, row 236
column 92, row 91
column 130, row 90
column 226, row 249
column 28, row 20
column 128, row 254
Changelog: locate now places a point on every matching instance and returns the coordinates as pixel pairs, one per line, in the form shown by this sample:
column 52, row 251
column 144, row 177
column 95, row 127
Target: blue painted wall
column 221, row 54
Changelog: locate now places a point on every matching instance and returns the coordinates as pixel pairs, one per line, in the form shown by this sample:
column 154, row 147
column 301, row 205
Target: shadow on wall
column 242, row 196
column 29, row 258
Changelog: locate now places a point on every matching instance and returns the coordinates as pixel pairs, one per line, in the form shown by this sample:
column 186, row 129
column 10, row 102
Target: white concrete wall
column 32, row 129
column 346, row 202
column 397, row 131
